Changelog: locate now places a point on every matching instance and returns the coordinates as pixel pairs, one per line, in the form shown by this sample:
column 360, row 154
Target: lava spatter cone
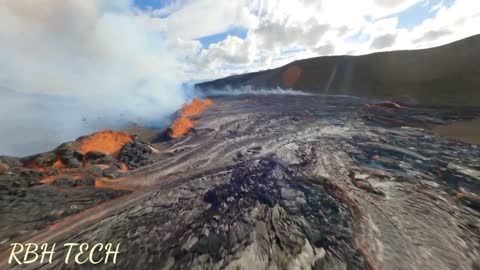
column 73, row 159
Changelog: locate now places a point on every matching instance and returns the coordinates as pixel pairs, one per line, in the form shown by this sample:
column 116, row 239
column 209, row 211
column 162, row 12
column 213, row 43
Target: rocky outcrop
column 135, row 154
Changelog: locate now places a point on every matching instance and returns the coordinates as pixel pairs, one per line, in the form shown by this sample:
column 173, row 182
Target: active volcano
column 272, row 181
column 351, row 143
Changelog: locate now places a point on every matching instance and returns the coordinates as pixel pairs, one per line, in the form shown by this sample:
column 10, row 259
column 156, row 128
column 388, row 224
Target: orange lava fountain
column 196, row 107
column 107, row 141
column 183, row 124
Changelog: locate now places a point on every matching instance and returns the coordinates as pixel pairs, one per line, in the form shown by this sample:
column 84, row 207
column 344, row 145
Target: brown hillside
column 447, row 75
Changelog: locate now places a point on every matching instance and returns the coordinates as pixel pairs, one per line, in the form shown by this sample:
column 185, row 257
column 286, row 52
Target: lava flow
column 183, row 124
column 330, row 182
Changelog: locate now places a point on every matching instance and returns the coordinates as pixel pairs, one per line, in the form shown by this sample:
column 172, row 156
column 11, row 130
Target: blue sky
column 154, row 4
column 218, row 37
column 418, row 13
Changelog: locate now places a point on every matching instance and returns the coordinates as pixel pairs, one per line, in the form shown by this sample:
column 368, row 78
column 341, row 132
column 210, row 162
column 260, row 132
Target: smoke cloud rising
column 248, row 90
column 70, row 67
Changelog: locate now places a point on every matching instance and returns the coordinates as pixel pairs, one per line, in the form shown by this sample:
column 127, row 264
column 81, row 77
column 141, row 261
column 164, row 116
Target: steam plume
column 70, row 67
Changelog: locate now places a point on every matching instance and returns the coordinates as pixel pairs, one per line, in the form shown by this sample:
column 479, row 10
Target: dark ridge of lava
column 284, row 182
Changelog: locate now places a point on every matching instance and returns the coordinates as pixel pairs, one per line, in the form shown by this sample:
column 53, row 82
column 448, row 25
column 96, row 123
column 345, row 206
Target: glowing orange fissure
column 183, row 124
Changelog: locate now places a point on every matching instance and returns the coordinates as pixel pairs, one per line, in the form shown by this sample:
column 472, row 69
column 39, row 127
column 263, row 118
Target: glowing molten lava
column 58, row 164
column 106, row 141
column 123, row 168
column 183, row 124
column 196, row 107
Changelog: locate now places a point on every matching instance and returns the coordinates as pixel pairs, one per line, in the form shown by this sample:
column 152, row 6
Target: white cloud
column 201, row 18
column 450, row 23
column 311, row 27
column 326, row 27
column 384, row 41
column 99, row 48
column 64, row 60
column 319, row 27
column 227, row 51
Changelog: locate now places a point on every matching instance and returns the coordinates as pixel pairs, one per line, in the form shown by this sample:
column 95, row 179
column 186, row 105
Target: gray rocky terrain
column 274, row 182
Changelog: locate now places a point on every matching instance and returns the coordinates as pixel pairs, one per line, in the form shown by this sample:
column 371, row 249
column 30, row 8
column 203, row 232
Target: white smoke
column 248, row 90
column 70, row 67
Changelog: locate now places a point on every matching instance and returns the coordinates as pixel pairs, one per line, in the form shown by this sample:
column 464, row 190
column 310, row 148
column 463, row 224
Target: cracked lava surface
column 278, row 182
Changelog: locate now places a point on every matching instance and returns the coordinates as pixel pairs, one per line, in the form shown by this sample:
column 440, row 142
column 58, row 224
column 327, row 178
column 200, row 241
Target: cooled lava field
column 260, row 182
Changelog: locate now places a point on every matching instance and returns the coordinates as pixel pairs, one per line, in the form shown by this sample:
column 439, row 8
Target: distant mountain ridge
column 445, row 75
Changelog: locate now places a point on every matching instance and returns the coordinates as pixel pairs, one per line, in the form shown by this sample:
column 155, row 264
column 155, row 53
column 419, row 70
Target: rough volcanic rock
column 111, row 172
column 94, row 155
column 30, row 174
column 260, row 213
column 70, row 158
column 28, row 207
column 51, row 172
column 100, row 158
column 42, row 160
column 470, row 199
column 135, row 154
column 280, row 182
column 11, row 162
column 65, row 181
column 106, row 160
column 96, row 170
column 73, row 145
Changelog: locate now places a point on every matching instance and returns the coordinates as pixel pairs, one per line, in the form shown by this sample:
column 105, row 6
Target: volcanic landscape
column 273, row 181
